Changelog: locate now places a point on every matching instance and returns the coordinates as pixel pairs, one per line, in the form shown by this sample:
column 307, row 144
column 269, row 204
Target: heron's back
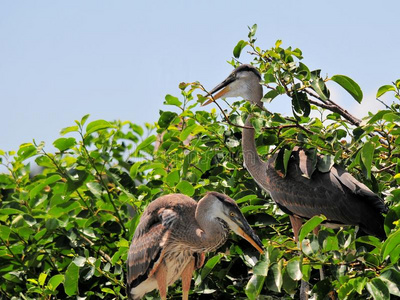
column 335, row 194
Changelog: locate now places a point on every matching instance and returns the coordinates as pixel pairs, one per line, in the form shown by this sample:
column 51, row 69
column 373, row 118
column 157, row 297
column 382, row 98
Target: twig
column 100, row 178
column 102, row 253
column 385, row 169
column 383, row 103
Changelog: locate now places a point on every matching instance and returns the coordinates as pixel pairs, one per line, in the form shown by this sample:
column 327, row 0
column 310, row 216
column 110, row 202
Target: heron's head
column 226, row 209
column 243, row 82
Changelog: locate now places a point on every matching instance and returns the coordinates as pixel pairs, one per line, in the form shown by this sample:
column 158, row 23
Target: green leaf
column 294, row 268
column 148, row 141
column 4, row 232
column 55, row 281
column 391, row 217
column 37, row 189
column 274, row 278
column 371, row 259
column 26, row 150
column 69, row 129
column 350, row 86
column 392, row 280
column 306, row 271
column 171, row 100
column 345, row 290
column 301, row 104
column 254, row 286
column 367, row 156
column 52, row 224
column 319, row 86
column 252, row 31
column 384, row 89
column 187, row 131
column 269, row 96
column 107, row 290
column 188, row 159
column 172, row 178
column 238, row 48
column 303, row 72
column 97, row 125
column 185, row 188
column 390, row 244
column 95, row 188
column 310, row 225
column 10, row 211
column 378, row 289
column 378, row 116
column 84, row 118
column 44, row 161
column 42, row 278
column 262, row 266
column 392, row 117
column 210, row 264
column 370, row 240
column 359, row 284
column 134, row 169
column 63, row 144
column 166, row 118
column 282, row 160
column 288, row 284
column 71, row 279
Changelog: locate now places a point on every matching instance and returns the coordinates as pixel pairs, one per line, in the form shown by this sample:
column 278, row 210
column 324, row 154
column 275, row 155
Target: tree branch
column 332, row 106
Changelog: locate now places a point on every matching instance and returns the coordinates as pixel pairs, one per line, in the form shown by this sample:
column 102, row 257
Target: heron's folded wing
column 148, row 245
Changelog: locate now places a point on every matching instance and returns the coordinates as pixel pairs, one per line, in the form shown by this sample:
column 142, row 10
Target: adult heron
column 336, row 194
column 172, row 237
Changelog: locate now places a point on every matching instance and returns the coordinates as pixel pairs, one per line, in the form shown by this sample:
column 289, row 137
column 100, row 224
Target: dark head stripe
column 247, row 68
column 224, row 199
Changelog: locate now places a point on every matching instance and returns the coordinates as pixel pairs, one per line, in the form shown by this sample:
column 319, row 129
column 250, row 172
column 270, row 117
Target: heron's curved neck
column 210, row 234
column 254, row 164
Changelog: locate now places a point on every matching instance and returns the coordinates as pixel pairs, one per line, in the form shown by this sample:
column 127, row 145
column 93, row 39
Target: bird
column 336, row 194
column 172, row 237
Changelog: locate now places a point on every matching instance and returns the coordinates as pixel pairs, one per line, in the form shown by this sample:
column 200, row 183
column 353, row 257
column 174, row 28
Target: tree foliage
column 65, row 230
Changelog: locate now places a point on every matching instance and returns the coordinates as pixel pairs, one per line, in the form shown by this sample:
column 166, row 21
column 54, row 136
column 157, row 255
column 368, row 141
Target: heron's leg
column 296, row 225
column 304, row 289
column 161, row 277
column 187, row 278
column 321, row 271
column 199, row 261
column 316, row 230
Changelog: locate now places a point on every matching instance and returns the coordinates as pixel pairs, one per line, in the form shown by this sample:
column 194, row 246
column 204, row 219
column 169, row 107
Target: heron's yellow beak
column 255, row 242
column 220, row 94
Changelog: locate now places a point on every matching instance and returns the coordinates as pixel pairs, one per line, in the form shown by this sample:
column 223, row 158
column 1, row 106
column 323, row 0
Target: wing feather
column 148, row 244
column 336, row 194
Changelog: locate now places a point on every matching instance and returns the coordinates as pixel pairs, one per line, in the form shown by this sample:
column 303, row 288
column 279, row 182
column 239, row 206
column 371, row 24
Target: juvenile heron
column 336, row 194
column 172, row 237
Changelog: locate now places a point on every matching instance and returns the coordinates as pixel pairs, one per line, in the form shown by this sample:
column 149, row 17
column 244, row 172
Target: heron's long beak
column 223, row 88
column 247, row 233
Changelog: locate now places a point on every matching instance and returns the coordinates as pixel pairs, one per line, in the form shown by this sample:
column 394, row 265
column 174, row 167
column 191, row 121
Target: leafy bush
column 65, row 230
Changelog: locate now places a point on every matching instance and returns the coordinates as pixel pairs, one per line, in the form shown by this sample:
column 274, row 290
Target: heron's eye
column 232, row 214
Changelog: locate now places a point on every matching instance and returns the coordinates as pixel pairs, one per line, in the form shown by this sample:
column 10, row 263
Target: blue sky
column 60, row 60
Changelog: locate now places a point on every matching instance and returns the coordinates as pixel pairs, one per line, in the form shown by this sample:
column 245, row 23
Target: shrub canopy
column 65, row 228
